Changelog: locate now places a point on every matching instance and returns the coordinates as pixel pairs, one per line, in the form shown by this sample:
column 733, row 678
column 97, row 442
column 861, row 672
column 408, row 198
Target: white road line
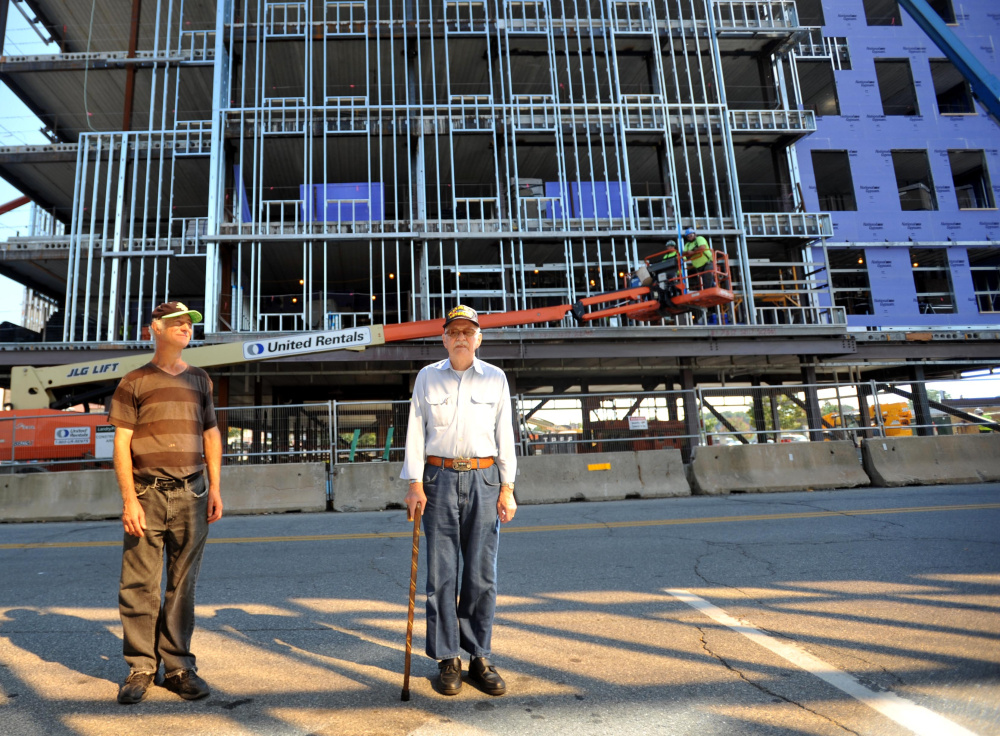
column 915, row 717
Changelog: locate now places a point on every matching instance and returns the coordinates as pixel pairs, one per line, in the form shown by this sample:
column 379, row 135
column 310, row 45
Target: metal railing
column 345, row 18
column 773, row 120
column 632, row 16
column 285, row 20
column 740, row 15
column 345, row 432
column 788, row 224
column 527, row 16
column 796, row 315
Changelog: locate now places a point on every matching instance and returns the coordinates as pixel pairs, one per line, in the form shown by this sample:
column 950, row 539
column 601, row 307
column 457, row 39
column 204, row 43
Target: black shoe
column 485, row 676
column 134, row 688
column 450, row 677
column 187, row 684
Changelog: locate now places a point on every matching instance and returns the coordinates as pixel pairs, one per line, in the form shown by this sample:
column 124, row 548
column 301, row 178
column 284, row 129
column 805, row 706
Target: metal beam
column 4, row 7
column 133, row 36
column 985, row 86
column 13, row 204
column 52, row 28
column 724, row 422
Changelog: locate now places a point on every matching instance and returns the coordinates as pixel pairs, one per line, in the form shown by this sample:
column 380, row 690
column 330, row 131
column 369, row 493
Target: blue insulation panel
column 355, row 202
column 956, row 219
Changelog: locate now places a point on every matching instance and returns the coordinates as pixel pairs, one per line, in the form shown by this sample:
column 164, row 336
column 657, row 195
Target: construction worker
column 698, row 256
column 672, row 265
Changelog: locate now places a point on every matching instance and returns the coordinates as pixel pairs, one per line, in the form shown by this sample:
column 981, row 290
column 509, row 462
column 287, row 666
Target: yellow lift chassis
column 31, row 388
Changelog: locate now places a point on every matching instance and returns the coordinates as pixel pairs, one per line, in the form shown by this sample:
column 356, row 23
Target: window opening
column 913, row 181
column 972, row 180
column 954, row 95
column 882, row 13
column 945, row 9
column 895, row 85
column 818, row 87
column 834, row 185
column 810, row 12
column 985, row 266
column 849, row 280
column 932, row 280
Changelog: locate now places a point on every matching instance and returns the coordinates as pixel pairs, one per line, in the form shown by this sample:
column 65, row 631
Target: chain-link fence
column 370, row 431
column 763, row 414
column 847, row 411
column 341, row 432
column 290, row 433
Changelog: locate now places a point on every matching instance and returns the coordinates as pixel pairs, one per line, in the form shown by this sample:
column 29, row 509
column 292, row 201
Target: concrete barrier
column 904, row 461
column 93, row 494
column 267, row 489
column 603, row 476
column 63, row 496
column 368, row 487
column 783, row 466
column 540, row 479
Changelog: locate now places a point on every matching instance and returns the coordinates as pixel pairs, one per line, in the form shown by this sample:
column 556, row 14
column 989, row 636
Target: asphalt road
column 869, row 611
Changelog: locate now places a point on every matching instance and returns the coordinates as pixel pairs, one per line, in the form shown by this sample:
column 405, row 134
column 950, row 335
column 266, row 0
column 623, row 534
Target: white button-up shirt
column 468, row 418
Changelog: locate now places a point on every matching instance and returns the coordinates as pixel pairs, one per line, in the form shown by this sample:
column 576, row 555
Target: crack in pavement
column 394, row 576
column 767, row 691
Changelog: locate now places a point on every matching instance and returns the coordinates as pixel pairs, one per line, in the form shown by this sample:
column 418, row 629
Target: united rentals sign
column 313, row 342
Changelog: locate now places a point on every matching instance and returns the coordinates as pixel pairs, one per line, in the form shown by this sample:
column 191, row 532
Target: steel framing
column 376, row 161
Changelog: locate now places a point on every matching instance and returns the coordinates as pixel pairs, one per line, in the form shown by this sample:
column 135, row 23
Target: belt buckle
column 461, row 463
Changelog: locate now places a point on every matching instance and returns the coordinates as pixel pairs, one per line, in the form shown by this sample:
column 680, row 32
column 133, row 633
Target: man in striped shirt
column 166, row 442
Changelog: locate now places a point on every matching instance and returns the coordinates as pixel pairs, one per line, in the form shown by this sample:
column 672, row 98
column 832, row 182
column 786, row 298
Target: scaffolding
column 323, row 164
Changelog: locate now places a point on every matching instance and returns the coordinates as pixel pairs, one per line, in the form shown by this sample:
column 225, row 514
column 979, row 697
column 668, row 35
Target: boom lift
column 657, row 289
column 985, row 86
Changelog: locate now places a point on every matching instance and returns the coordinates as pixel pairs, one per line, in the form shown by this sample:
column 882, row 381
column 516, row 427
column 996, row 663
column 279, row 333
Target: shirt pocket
column 441, row 409
column 484, row 408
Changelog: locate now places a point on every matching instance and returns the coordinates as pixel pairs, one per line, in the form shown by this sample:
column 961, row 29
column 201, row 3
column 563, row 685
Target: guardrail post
column 692, row 426
column 334, row 437
column 814, row 418
column 921, row 407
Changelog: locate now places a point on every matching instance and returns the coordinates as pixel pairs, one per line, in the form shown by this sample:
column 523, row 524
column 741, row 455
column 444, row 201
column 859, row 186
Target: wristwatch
column 507, row 485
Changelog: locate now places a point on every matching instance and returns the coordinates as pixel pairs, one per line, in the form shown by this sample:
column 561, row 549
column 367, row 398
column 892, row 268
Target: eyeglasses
column 455, row 334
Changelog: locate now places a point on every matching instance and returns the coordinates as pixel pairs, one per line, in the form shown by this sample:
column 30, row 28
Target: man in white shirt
column 460, row 463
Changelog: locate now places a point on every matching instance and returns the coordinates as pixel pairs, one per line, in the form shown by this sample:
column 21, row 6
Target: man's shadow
column 335, row 642
column 80, row 645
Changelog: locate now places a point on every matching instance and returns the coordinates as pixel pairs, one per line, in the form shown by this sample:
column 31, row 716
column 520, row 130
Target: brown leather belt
column 460, row 463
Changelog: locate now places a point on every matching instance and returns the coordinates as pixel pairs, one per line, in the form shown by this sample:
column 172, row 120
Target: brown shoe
column 485, row 676
column 450, row 677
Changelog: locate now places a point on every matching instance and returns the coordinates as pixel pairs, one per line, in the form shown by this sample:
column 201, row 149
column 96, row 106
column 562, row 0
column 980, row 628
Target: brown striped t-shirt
column 167, row 415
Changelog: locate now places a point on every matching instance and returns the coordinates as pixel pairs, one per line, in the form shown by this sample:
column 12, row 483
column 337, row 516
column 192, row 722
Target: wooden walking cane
column 409, row 613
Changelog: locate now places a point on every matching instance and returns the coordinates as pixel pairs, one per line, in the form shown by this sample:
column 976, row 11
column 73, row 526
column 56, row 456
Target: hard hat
column 689, row 231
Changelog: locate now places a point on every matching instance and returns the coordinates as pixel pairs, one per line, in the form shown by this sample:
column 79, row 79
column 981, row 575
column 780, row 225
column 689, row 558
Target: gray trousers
column 176, row 529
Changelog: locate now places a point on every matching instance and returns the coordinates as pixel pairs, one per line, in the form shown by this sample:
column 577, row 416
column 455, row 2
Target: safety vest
column 701, row 259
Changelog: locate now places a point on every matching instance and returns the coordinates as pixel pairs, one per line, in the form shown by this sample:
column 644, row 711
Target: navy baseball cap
column 461, row 312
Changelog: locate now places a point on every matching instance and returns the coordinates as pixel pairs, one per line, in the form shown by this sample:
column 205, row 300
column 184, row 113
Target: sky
column 18, row 127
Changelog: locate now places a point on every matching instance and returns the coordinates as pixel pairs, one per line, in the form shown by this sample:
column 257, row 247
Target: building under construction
column 323, row 164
